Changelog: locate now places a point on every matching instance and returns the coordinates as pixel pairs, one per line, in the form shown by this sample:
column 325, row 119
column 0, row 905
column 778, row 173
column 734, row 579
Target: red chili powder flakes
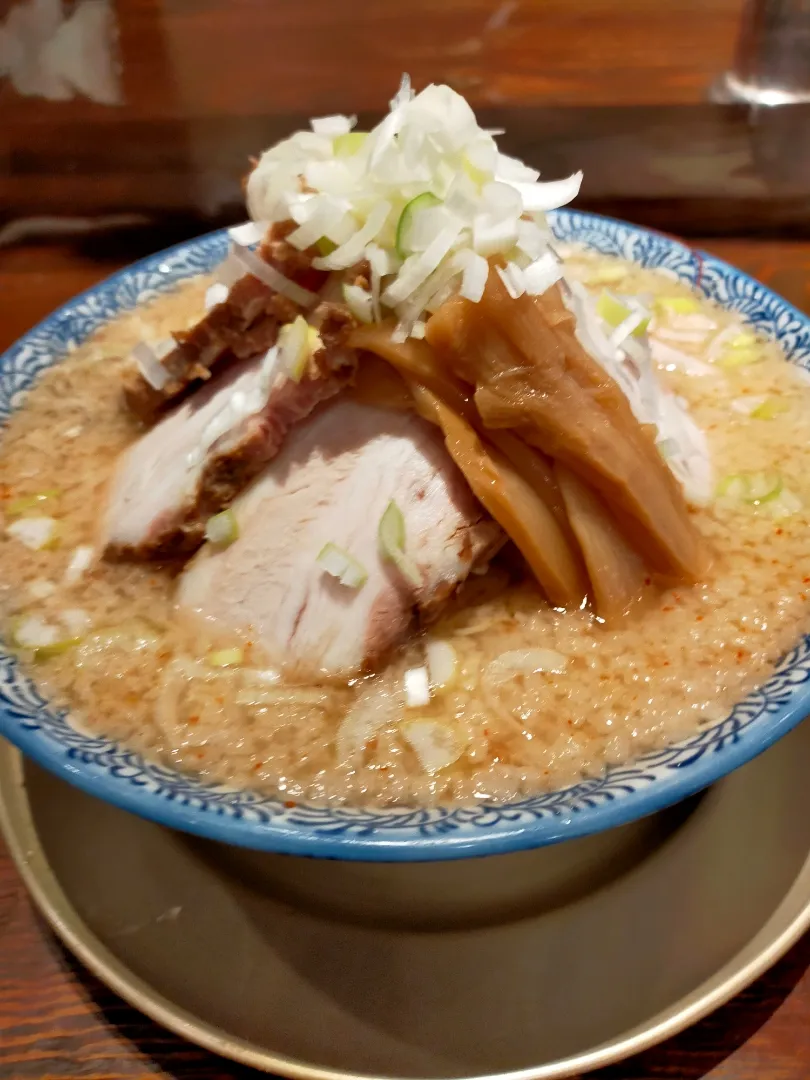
column 778, row 531
column 698, row 618
column 193, row 720
column 647, row 581
column 806, row 581
column 741, row 654
column 257, row 766
column 803, row 595
column 200, row 754
column 668, row 607
column 290, row 804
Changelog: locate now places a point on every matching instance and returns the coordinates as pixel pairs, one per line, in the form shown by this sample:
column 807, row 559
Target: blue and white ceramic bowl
column 122, row 777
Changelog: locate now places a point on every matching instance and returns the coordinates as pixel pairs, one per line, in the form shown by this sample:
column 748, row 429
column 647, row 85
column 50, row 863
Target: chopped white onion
column 376, row 707
column 512, row 170
column 76, row 621
column 149, row 366
column 352, row 251
column 512, row 277
column 442, row 663
column 80, row 561
column 549, row 196
column 271, row 367
column 32, row 632
column 271, row 277
column 405, row 92
column 417, row 268
column 230, row 270
column 492, row 234
column 333, row 125
column 527, row 662
column 359, row 302
column 325, row 216
column 540, row 275
column 474, row 280
column 677, row 360
column 215, row 294
column 532, row 240
column 417, row 687
column 435, row 744
column 249, row 233
column 35, row 533
column 429, row 143
column 40, row 589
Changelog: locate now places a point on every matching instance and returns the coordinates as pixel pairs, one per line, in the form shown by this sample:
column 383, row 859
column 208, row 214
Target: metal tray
column 542, row 964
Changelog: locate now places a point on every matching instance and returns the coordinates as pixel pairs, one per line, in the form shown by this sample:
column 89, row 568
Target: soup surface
column 504, row 724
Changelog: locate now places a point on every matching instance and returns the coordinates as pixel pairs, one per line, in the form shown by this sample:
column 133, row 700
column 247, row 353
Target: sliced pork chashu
column 244, row 323
column 195, row 461
column 332, row 483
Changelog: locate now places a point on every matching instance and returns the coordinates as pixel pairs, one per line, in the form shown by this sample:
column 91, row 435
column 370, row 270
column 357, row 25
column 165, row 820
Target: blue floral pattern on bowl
column 122, row 777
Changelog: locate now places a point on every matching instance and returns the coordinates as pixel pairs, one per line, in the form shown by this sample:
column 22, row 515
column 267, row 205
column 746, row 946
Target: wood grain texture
column 59, row 1023
column 186, row 58
column 620, row 90
column 711, row 169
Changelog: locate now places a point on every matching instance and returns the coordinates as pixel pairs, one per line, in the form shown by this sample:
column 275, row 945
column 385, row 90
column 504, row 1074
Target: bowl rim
column 358, row 833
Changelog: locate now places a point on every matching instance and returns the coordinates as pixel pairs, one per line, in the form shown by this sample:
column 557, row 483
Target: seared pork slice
column 331, row 484
column 195, row 461
column 245, row 322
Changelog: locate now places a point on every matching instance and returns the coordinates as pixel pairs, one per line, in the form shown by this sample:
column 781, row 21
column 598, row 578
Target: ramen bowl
column 250, row 819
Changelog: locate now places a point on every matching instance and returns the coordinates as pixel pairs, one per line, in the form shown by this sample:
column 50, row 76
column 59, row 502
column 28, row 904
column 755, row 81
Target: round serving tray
column 621, row 794
column 534, row 965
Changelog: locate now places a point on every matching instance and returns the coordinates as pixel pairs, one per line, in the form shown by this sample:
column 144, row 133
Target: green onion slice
column 222, row 529
column 226, row 657
column 30, row 502
column 342, row 565
column 770, row 408
column 350, row 143
column 391, row 535
column 752, row 488
column 614, row 312
column 677, row 305
column 422, row 202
